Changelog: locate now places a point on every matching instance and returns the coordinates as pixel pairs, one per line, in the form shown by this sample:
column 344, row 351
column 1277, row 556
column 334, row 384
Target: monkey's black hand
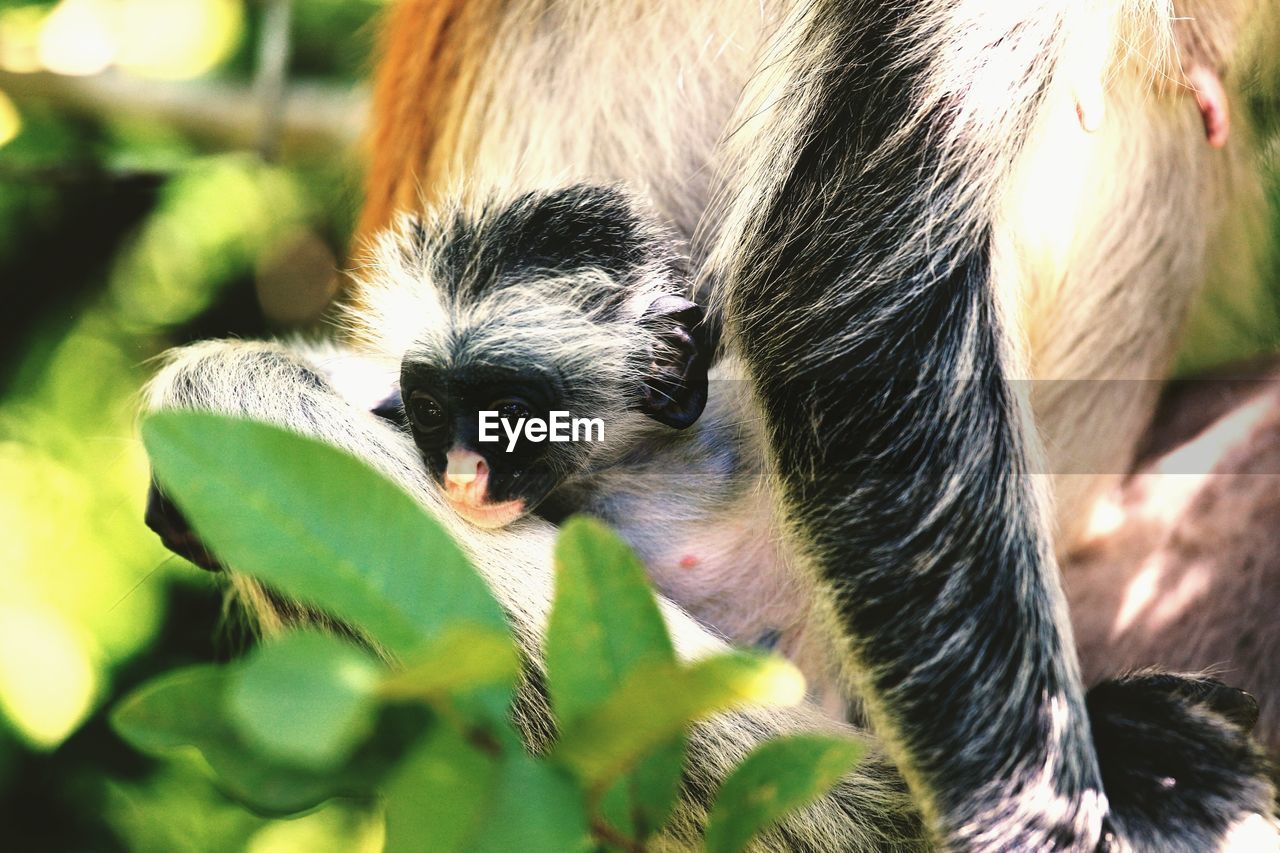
column 168, row 522
column 675, row 388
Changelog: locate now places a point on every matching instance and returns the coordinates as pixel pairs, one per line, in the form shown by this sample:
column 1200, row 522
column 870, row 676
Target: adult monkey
column 865, row 235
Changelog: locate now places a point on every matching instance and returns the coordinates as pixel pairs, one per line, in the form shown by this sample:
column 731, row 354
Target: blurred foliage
column 119, row 239
column 1236, row 320
column 169, row 39
column 317, row 52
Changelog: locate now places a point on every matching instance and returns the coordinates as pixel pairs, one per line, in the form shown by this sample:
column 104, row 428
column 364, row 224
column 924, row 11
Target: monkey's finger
column 168, row 522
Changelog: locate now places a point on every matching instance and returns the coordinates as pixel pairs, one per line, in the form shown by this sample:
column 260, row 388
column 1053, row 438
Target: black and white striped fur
column 870, row 245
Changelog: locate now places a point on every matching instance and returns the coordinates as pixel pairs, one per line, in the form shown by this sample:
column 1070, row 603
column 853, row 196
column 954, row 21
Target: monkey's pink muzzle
column 466, row 486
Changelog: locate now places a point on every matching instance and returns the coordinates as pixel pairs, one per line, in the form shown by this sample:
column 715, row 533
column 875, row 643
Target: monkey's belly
column 736, row 578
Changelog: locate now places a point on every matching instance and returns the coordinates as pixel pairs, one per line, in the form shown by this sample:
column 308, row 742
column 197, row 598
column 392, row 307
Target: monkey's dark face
column 473, row 427
column 500, row 439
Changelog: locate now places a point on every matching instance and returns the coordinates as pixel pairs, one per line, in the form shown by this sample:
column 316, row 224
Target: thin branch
column 271, row 76
column 609, row 835
column 315, row 120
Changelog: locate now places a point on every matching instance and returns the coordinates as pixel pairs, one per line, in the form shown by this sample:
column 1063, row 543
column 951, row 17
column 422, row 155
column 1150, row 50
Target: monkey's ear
column 675, row 383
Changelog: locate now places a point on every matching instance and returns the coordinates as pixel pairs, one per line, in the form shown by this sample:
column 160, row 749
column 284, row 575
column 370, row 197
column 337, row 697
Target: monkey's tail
column 1178, row 765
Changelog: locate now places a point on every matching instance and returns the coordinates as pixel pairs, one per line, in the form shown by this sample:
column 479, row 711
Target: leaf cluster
column 312, row 715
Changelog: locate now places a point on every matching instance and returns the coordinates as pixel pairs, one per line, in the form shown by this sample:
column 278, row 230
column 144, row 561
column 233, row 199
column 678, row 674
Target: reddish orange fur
column 429, row 51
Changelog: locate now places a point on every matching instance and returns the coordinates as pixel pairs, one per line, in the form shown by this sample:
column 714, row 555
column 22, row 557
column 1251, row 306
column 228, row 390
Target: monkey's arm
column 870, row 810
column 858, row 290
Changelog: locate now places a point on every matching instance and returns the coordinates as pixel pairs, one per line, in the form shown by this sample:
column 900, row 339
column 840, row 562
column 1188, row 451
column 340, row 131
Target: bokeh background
column 169, row 170
column 172, row 170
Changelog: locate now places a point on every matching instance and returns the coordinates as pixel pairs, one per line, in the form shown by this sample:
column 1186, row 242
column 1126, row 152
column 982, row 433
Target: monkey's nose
column 168, row 522
column 467, row 476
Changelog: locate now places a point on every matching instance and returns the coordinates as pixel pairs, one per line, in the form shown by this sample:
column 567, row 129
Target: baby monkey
column 551, row 362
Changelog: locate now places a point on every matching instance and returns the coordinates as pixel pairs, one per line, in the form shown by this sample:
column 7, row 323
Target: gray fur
column 695, row 503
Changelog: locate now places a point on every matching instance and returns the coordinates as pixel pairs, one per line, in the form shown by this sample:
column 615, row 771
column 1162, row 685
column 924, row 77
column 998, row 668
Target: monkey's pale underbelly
column 738, row 578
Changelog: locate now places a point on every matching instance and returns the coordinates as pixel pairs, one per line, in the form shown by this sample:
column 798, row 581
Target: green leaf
column 187, row 709
column 439, row 797
column 306, row 698
column 779, row 777
column 319, row 525
column 657, row 701
column 450, row 796
column 639, row 803
column 604, row 620
column 654, row 785
column 173, row 710
column 604, row 625
column 461, row 658
column 536, row 808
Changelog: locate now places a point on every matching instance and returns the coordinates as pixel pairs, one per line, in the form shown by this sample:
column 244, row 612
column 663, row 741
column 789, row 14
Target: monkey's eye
column 511, row 409
column 426, row 412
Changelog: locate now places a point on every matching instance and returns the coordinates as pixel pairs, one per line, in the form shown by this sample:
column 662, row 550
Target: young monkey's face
column 490, row 476
column 499, row 440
